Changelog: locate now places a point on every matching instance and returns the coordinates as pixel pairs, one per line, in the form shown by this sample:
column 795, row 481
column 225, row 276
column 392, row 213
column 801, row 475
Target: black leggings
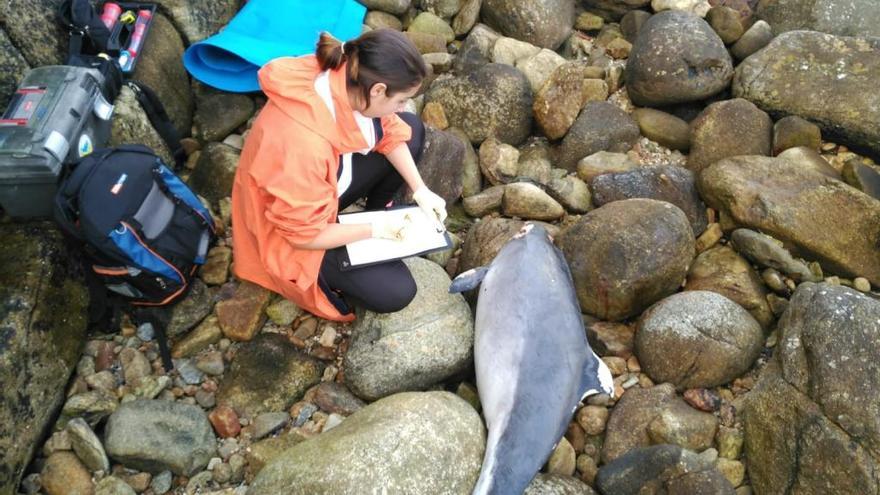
column 384, row 287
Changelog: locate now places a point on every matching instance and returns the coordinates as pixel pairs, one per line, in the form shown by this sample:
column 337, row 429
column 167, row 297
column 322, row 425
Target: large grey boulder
column 495, row 100
column 627, row 255
column 544, row 23
column 601, row 126
column 155, row 435
column 676, row 58
column 811, row 423
column 34, row 30
column 425, row 343
column 414, row 442
column 13, row 67
column 198, row 19
column 697, row 339
column 161, row 69
column 130, row 124
column 669, row 183
column 729, row 128
column 837, row 73
column 42, row 333
column 815, row 216
column 840, row 17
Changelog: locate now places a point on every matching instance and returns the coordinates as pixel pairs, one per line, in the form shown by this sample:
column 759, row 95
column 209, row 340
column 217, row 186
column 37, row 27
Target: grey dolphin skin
column 532, row 358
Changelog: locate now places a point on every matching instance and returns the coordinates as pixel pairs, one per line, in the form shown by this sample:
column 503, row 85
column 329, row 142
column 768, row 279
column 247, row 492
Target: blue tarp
column 267, row 29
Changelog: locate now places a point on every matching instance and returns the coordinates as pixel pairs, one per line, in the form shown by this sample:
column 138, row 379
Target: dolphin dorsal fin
column 596, row 378
column 468, row 280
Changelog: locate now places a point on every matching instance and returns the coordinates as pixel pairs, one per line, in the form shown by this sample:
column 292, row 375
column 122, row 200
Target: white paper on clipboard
column 421, row 237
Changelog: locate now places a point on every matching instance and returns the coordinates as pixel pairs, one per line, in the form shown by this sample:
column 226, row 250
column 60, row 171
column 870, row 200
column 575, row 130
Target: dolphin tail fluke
column 468, row 280
column 596, row 378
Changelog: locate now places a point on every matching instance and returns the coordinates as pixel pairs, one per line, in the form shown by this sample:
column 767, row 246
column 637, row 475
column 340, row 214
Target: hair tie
column 342, row 47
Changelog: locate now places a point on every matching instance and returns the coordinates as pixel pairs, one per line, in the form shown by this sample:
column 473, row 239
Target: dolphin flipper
column 596, row 378
column 468, row 280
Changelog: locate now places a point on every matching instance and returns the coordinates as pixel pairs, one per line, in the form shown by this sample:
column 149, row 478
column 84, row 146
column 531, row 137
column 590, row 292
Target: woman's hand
column 433, row 205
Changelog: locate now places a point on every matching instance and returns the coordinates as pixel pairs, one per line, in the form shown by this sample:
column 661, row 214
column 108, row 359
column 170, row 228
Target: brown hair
column 379, row 56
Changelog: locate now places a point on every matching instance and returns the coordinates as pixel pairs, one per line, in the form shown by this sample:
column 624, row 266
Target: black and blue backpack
column 142, row 232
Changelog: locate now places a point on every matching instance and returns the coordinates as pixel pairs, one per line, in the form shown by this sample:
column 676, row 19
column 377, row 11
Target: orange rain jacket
column 284, row 192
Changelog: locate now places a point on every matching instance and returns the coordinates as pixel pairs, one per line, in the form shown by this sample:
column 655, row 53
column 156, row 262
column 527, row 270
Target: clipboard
column 424, row 239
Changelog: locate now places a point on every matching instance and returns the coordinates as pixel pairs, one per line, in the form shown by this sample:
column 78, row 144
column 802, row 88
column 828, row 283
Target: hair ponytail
column 378, row 56
column 329, row 52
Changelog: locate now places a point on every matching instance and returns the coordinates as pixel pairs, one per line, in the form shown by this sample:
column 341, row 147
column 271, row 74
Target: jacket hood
column 289, row 83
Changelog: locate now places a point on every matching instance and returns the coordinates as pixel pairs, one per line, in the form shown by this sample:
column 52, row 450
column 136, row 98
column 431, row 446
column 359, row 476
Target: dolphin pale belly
column 532, row 358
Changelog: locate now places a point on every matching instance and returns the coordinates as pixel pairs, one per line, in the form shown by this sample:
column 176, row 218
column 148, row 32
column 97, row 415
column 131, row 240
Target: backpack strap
column 159, row 119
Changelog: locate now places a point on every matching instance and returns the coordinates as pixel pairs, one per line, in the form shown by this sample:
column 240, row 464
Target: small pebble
column 630, row 382
column 333, row 421
column 200, row 482
column 146, row 332
column 222, row 473
column 861, row 284
column 702, row 399
column 302, row 412
column 161, row 483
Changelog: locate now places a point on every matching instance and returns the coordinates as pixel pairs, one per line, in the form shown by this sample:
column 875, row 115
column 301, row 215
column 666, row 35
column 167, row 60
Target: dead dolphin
column 532, row 358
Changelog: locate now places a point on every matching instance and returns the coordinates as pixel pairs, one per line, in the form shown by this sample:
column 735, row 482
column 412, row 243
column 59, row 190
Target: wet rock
column 630, row 421
column 810, row 159
column 198, row 303
column 530, row 202
column 336, row 398
column 39, row 38
column 631, row 23
column 604, row 162
column 697, row 7
column 508, row 50
column 702, row 399
column 723, row 270
column 862, row 177
column 270, row 422
column 756, row 37
column 467, row 17
column 818, row 218
column 13, row 67
column 153, row 435
column 64, row 474
column 726, row 22
column 677, row 58
column 219, row 114
column 441, row 163
column 476, row 50
column 263, row 452
column 130, row 124
column 225, row 422
column 87, row 446
column 484, row 240
column 572, row 193
column 268, row 374
column 802, row 63
column 495, row 100
column 847, row 18
column 559, row 101
column 666, row 129
column 215, row 171
column 793, row 131
column 664, row 468
column 112, row 485
column 402, row 423
column 161, row 70
column 42, row 333
column 426, row 42
column 592, row 419
column 377, row 19
column 215, row 271
column 484, row 202
column 619, row 285
column 538, row 67
column 198, row 19
column 697, row 339
column 601, row 126
column 242, row 316
column 426, row 342
column 729, row 128
column 545, row 23
column 471, row 179
column 614, row 9
column 614, row 339
column 562, row 460
column 669, row 183
column 499, row 162
column 93, row 405
column 805, row 397
column 769, row 252
column 208, row 332
column 429, row 23
column 283, row 312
